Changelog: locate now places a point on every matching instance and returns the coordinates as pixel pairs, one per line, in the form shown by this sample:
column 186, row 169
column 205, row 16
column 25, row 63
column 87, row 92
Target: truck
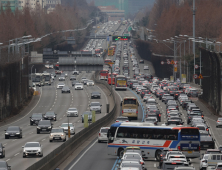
column 47, row 77
column 38, row 79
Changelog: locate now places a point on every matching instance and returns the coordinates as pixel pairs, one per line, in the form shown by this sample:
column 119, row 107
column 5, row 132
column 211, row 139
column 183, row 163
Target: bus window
column 129, row 101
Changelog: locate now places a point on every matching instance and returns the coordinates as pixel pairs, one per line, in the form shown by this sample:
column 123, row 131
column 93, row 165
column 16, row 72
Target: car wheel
column 50, row 140
column 55, row 119
column 24, row 156
column 216, row 126
column 99, row 141
column 31, row 124
column 64, row 140
column 20, row 136
column 37, row 132
column 82, row 121
column 6, row 137
column 41, row 155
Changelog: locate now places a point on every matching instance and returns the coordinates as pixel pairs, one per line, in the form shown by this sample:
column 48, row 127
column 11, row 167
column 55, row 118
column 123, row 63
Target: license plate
column 95, row 96
column 57, row 138
column 205, row 146
column 43, row 129
column 190, row 151
column 129, row 113
column 12, row 135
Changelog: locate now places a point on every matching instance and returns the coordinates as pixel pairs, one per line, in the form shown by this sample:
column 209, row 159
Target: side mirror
column 101, row 105
column 121, row 103
column 51, row 123
column 22, row 146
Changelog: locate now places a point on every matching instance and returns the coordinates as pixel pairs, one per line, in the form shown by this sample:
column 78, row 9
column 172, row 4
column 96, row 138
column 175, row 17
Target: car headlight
column 54, row 116
column 24, row 150
column 31, row 119
column 6, row 133
column 39, row 150
column 17, row 133
column 38, row 127
column 49, row 127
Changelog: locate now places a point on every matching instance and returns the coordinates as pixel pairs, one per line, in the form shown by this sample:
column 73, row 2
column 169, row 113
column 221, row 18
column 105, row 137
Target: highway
column 51, row 99
column 87, row 159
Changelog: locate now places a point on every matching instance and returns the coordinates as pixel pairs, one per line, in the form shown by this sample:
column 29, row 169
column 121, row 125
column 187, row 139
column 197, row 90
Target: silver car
column 219, row 122
column 65, row 127
column 62, row 78
column 78, row 86
column 32, row 149
column 72, row 112
column 60, row 85
column 95, row 106
column 57, row 134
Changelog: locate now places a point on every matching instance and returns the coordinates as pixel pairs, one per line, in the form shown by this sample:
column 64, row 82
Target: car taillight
column 189, row 117
column 199, row 148
column 207, row 129
column 159, row 115
column 202, row 116
column 127, row 120
column 99, row 134
column 137, row 112
column 173, row 163
column 177, row 106
column 117, row 121
column 178, row 148
column 143, row 93
column 218, row 121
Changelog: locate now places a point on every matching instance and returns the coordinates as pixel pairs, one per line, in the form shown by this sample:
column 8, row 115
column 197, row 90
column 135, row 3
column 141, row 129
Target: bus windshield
column 129, row 101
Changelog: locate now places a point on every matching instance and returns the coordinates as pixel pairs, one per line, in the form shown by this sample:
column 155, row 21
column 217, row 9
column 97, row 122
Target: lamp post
column 0, row 50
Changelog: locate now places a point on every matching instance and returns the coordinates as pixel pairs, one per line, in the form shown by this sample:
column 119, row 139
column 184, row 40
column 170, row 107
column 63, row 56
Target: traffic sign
column 110, row 63
column 195, row 76
column 175, row 69
column 175, row 62
column 200, row 76
column 196, row 66
column 175, row 65
column 168, row 62
column 162, row 62
column 172, row 62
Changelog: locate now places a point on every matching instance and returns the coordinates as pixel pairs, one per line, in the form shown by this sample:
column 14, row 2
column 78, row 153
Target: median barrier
column 57, row 156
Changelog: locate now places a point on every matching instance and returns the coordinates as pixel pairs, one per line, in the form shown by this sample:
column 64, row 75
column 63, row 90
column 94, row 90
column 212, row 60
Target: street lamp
column 0, row 50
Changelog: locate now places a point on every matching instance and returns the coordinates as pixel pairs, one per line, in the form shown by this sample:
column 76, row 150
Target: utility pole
column 174, row 74
column 194, row 11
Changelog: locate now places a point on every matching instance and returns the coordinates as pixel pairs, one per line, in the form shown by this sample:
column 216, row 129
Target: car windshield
column 129, row 101
column 201, row 127
column 95, row 93
column 132, row 156
column 87, row 113
column 32, row 145
column 56, row 130
column 44, row 122
column 104, row 130
column 66, row 125
column 72, row 109
column 50, row 113
column 78, row 84
column 37, row 116
column 90, row 81
column 95, row 104
column 12, row 128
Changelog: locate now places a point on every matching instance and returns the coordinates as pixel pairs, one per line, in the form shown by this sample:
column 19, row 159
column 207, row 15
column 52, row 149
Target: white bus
column 153, row 139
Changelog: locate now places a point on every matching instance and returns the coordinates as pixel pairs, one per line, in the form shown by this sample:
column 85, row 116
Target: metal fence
column 211, row 79
column 57, row 156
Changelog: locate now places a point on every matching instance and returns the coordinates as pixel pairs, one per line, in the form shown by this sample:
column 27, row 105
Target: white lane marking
column 14, row 140
column 16, row 154
column 28, row 112
column 103, row 94
column 82, row 155
column 5, row 144
column 43, row 139
column 119, row 95
column 7, row 160
column 154, row 165
column 78, row 120
column 60, row 118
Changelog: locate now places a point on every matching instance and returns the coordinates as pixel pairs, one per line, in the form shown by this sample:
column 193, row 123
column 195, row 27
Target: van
column 213, row 159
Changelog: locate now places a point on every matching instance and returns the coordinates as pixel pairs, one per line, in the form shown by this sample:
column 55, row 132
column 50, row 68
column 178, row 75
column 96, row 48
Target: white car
column 32, row 149
column 72, row 112
column 57, row 134
column 60, row 85
column 62, row 78
column 146, row 67
column 203, row 164
column 65, row 127
column 83, row 78
column 78, row 86
column 90, row 83
column 102, row 135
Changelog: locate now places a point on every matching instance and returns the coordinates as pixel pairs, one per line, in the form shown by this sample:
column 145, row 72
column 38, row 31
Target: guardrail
column 57, row 156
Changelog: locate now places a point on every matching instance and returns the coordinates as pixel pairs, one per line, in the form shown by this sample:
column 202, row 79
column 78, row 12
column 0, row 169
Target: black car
column 35, row 118
column 85, row 81
column 72, row 78
column 142, row 61
column 176, row 94
column 131, row 83
column 168, row 98
column 44, row 126
column 4, row 165
column 184, row 103
column 2, row 151
column 74, row 82
column 50, row 115
column 13, row 131
column 207, row 142
column 65, row 89
column 96, row 95
column 161, row 93
column 143, row 92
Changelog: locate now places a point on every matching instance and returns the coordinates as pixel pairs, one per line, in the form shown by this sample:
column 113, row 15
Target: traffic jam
column 171, row 133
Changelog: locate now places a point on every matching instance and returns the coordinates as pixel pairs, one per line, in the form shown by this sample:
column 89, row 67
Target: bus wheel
column 157, row 154
column 120, row 152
